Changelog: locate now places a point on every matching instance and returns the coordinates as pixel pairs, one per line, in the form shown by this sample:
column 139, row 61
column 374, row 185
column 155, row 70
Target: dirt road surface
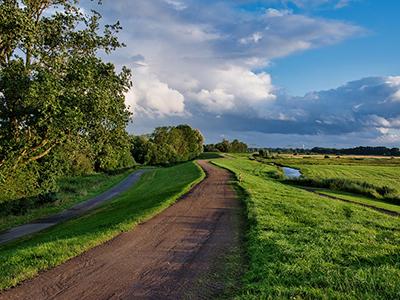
column 166, row 257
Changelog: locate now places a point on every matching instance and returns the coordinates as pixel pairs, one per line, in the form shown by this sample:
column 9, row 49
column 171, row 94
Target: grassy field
column 377, row 171
column 156, row 190
column 72, row 191
column 376, row 178
column 377, row 175
column 301, row 245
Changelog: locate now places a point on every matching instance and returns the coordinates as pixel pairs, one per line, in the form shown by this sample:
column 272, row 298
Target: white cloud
column 254, row 38
column 394, row 81
column 272, row 12
column 176, row 4
column 154, row 97
column 193, row 57
column 235, row 89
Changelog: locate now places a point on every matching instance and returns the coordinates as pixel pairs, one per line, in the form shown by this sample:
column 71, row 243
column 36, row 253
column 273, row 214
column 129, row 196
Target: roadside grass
column 73, row 190
column 360, row 199
column 302, row 246
column 155, row 191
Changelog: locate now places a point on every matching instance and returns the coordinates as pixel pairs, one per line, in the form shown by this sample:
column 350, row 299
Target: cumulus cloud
column 186, row 55
column 153, row 97
column 207, row 65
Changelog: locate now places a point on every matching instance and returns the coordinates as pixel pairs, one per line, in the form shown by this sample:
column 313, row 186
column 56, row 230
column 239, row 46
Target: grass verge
column 73, row 190
column 302, row 246
column 155, row 191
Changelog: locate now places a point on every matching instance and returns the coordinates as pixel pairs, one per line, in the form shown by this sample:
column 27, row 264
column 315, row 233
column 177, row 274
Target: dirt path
column 73, row 212
column 163, row 258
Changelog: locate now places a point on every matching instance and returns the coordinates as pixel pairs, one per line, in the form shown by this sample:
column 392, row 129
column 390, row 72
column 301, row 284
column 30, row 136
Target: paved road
column 75, row 211
column 164, row 258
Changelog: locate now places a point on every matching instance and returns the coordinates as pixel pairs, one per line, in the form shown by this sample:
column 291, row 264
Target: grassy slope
column 155, row 191
column 361, row 199
column 301, row 245
column 72, row 190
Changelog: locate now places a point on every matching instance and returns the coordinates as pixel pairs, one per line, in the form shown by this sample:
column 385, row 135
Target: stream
column 291, row 173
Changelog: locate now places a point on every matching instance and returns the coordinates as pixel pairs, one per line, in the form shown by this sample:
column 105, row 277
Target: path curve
column 163, row 258
column 75, row 211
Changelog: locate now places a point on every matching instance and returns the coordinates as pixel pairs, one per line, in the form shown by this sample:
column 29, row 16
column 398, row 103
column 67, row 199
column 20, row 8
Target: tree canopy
column 226, row 146
column 59, row 101
column 168, row 145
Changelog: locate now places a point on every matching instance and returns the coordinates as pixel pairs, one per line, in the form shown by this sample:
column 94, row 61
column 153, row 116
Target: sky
column 273, row 73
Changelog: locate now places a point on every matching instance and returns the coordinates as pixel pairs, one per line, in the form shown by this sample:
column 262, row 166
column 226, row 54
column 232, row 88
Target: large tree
column 53, row 85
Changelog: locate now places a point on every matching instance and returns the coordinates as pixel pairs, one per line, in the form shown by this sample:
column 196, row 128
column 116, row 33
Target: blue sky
column 270, row 72
column 373, row 54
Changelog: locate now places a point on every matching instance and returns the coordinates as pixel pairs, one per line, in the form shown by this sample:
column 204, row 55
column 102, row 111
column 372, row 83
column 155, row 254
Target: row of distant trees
column 168, row 145
column 226, row 146
column 379, row 151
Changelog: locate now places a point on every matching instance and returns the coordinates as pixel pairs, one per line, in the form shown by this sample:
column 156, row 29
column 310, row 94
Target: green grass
column 361, row 199
column 302, row 246
column 377, row 175
column 376, row 171
column 209, row 155
column 155, row 191
column 72, row 191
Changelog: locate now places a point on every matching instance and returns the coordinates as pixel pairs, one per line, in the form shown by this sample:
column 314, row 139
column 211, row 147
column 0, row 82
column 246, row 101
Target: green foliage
column 62, row 108
column 227, row 147
column 303, row 246
column 155, row 191
column 168, row 145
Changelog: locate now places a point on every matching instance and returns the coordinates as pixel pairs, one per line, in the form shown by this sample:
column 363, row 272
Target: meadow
column 375, row 178
column 300, row 245
column 156, row 190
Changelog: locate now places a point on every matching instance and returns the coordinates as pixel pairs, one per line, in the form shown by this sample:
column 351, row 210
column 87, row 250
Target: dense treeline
column 226, row 146
column 62, row 109
column 381, row 151
column 168, row 145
